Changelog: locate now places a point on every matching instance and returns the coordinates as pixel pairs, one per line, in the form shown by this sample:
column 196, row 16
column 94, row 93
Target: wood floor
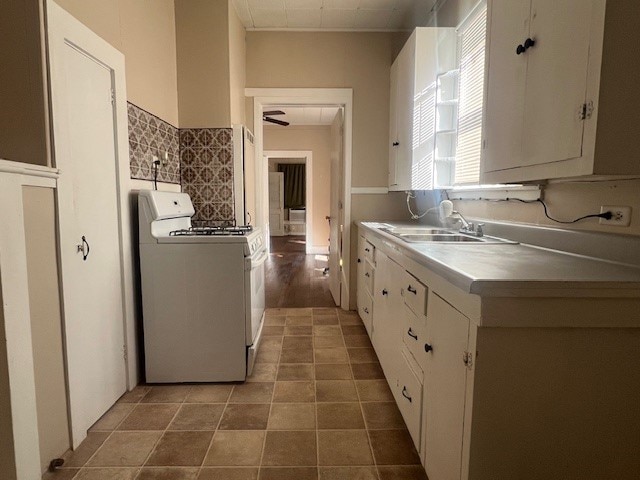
column 294, row 279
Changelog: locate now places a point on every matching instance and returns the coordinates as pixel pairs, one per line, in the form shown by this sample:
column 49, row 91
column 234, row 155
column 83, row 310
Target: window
column 471, row 45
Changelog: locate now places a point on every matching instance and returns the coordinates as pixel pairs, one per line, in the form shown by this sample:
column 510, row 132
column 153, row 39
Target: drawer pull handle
column 412, row 290
column 428, row 348
column 366, row 310
column 385, row 292
column 404, row 394
column 412, row 335
column 367, row 250
column 395, row 144
column 367, row 275
column 359, row 261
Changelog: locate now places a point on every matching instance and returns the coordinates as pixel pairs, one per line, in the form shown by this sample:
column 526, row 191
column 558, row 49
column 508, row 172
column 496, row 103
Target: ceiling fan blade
column 272, row 112
column 277, row 122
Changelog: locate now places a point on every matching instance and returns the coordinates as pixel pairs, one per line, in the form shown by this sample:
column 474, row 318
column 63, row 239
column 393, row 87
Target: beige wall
column 566, row 201
column 46, row 322
column 237, row 68
column 318, row 140
column 202, row 28
column 145, row 32
column 211, row 64
column 360, row 61
column 23, row 124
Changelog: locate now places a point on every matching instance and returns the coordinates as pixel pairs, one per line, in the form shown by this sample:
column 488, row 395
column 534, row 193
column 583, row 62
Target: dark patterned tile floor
column 316, row 408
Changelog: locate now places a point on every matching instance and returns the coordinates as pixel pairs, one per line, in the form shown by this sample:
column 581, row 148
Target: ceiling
column 350, row 15
column 305, row 115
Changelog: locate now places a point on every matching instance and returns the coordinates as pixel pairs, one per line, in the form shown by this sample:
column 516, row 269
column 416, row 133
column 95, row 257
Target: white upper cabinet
column 556, row 102
column 428, row 53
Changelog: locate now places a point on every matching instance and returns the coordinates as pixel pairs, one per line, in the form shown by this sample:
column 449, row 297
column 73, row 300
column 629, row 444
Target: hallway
column 294, row 279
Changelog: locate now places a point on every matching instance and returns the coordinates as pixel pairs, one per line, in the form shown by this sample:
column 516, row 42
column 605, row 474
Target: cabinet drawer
column 369, row 252
column 415, row 294
column 365, row 309
column 409, row 397
column 413, row 335
column 369, row 271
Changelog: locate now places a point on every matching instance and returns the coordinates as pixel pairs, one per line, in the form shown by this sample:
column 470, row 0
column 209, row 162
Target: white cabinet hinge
column 112, row 92
column 586, row 111
column 125, row 355
column 467, row 359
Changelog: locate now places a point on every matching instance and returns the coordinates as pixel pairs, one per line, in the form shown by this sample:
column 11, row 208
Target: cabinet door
column 444, row 389
column 393, row 126
column 556, row 80
column 506, row 84
column 404, row 108
column 387, row 319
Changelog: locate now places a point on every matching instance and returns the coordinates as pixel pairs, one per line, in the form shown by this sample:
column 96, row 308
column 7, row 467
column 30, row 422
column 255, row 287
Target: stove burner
column 212, row 231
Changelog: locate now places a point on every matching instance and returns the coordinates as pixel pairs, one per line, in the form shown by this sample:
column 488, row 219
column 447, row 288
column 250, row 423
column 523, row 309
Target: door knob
column 428, row 348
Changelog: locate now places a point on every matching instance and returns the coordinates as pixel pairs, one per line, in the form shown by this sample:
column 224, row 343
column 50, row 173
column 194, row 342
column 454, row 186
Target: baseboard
column 317, row 250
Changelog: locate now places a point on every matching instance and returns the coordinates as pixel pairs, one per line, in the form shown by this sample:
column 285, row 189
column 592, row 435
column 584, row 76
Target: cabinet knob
column 520, row 49
column 428, row 348
column 359, row 261
column 385, row 292
column 528, row 43
column 404, row 394
column 395, row 144
column 367, row 275
column 366, row 310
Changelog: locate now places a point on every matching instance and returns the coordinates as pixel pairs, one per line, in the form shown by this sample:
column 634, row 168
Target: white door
column 85, row 151
column 276, row 203
column 336, row 213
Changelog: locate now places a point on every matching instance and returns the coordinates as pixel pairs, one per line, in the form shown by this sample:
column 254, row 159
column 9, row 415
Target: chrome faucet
column 469, row 228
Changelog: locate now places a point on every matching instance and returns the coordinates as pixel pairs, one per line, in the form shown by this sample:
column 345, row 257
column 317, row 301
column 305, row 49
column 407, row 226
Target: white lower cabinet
column 445, row 378
column 488, row 390
column 387, row 322
column 365, row 272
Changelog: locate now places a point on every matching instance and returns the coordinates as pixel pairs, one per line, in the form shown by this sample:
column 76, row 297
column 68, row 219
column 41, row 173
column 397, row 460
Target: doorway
column 339, row 175
column 291, row 196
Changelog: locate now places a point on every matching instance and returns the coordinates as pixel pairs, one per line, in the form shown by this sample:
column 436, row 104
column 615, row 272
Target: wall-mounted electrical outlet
column 621, row 215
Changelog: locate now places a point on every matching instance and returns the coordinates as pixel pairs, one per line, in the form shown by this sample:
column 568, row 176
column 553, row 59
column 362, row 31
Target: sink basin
column 416, row 231
column 440, row 238
column 439, row 235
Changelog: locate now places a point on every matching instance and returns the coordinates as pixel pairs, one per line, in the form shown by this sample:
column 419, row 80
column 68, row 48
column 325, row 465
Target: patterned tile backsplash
column 199, row 159
column 149, row 136
column 206, row 158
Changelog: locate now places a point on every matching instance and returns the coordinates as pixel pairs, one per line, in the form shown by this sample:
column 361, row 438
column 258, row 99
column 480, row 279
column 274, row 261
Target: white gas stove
column 202, row 293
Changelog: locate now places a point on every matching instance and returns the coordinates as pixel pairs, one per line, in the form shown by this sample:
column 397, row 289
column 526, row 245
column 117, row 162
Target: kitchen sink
column 441, row 238
column 416, row 231
column 438, row 235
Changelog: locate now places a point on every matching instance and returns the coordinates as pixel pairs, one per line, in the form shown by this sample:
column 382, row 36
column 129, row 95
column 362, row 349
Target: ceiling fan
column 266, row 116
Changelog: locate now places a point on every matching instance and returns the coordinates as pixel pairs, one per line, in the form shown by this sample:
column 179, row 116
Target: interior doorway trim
column 307, row 155
column 265, row 97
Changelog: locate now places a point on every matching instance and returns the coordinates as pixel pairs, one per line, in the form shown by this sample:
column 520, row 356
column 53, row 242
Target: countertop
column 488, row 269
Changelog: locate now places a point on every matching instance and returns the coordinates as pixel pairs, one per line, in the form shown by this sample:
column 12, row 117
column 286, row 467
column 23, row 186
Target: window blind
column 472, row 39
